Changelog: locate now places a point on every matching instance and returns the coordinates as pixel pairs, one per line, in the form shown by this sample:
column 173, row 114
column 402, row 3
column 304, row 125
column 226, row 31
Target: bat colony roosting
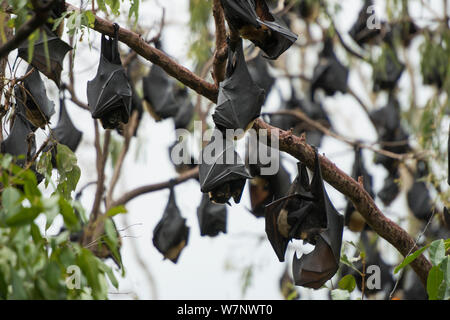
column 299, row 210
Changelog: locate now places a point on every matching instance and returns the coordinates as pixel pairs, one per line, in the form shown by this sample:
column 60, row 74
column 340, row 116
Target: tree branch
column 190, row 174
column 220, row 55
column 382, row 225
column 39, row 18
column 137, row 43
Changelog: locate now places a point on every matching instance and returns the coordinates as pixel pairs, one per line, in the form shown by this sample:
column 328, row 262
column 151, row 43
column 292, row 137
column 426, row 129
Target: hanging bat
column 184, row 165
column 387, row 70
column 109, row 93
column 185, row 111
column 352, row 218
column 329, row 74
column 16, row 143
column 65, row 131
column 56, row 49
column 291, row 216
column 314, row 269
column 418, row 196
column 264, row 188
column 287, row 287
column 212, row 218
column 390, row 188
column 221, row 178
column 32, row 100
column 170, row 235
column 259, row 71
column 160, row 93
column 360, row 32
column 240, row 100
column 389, row 129
column 253, row 20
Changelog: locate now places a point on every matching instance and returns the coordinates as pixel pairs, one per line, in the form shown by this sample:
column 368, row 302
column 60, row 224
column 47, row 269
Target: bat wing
column 314, row 269
column 109, row 94
column 212, row 217
column 57, row 50
column 185, row 110
column 171, row 234
column 65, row 132
column 220, row 171
column 240, row 99
column 259, row 71
column 240, row 13
column 281, row 39
column 37, row 107
column 158, row 91
column 16, row 144
column 276, row 239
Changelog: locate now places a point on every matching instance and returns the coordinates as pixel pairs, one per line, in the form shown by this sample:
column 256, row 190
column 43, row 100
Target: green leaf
column 51, row 209
column 3, row 286
column 444, row 290
column 11, row 201
column 90, row 18
column 347, row 283
column 68, row 213
column 339, row 294
column 116, row 210
column 410, row 258
column 23, row 217
column 18, row 290
column 437, row 252
column 31, row 40
column 435, row 277
column 89, row 266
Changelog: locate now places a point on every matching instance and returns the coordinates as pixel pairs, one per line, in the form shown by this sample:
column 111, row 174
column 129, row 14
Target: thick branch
column 191, row 174
column 138, row 44
column 382, row 225
column 220, row 55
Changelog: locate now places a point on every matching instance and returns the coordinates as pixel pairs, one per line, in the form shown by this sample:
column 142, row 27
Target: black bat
column 314, row 269
column 50, row 63
column 219, row 177
column 185, row 111
column 390, row 188
column 240, row 99
column 65, row 131
column 16, row 143
column 171, row 234
column 387, row 70
column 253, row 20
column 109, row 93
column 352, row 218
column 259, row 71
column 264, row 188
column 158, row 92
column 418, row 197
column 212, row 217
column 329, row 74
column 389, row 128
column 360, row 32
column 292, row 216
column 32, row 100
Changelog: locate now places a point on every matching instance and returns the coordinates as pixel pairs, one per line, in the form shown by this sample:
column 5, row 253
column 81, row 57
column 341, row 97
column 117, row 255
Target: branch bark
column 220, row 55
column 191, row 174
column 138, row 44
column 386, row 228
